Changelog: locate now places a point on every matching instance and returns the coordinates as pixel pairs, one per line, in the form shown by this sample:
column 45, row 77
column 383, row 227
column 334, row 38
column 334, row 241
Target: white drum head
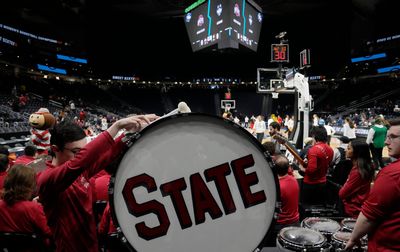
column 228, row 212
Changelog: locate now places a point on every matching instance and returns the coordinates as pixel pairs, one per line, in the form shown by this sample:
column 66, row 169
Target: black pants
column 313, row 194
column 377, row 156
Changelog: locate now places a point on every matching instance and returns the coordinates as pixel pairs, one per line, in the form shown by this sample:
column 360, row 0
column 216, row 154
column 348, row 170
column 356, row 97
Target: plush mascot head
column 42, row 119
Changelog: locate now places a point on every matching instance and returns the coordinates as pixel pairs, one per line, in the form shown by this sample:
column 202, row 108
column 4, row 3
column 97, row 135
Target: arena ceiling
column 148, row 37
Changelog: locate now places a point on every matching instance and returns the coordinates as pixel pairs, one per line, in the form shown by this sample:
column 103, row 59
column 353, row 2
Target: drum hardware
column 130, row 138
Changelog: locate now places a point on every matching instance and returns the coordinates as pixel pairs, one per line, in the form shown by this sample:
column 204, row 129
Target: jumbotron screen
column 246, row 23
column 225, row 23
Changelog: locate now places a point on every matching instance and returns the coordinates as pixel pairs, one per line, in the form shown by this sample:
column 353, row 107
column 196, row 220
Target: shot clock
column 279, row 53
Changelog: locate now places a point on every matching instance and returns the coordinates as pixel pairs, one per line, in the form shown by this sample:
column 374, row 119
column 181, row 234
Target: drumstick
column 182, row 108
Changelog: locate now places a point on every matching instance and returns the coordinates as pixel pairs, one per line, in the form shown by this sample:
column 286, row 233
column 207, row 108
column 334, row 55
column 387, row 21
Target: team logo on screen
column 250, row 19
column 236, row 10
column 259, row 17
column 200, row 20
column 219, row 9
column 188, row 17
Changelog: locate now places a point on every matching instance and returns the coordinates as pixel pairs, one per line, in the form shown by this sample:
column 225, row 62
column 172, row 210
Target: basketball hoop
column 275, row 95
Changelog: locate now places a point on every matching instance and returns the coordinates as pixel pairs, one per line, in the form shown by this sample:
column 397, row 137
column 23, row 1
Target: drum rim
column 304, row 224
column 285, row 241
column 345, row 220
column 154, row 124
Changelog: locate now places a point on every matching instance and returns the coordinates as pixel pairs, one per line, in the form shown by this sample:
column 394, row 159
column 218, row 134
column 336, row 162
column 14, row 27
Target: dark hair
column 66, row 132
column 19, row 184
column 4, row 150
column 3, row 162
column 30, row 150
column 275, row 125
column 394, row 122
column 281, row 165
column 351, row 124
column 319, row 133
column 270, row 147
column 362, row 155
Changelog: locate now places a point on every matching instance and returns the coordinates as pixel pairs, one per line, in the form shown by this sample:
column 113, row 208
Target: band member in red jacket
column 356, row 189
column 64, row 187
column 319, row 157
column 380, row 213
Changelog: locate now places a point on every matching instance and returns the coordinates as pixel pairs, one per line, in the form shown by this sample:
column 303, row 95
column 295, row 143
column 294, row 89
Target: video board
column 246, row 23
column 225, row 23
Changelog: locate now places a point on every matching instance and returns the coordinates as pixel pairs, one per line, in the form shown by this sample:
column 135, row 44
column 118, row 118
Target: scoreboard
column 223, row 23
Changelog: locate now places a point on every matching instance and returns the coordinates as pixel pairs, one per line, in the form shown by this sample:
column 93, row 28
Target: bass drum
column 194, row 182
column 301, row 239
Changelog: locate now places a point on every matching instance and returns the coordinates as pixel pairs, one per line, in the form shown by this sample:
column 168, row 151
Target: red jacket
column 290, row 200
column 354, row 192
column 106, row 225
column 67, row 195
column 3, row 175
column 383, row 207
column 24, row 159
column 319, row 157
column 101, row 188
column 23, row 217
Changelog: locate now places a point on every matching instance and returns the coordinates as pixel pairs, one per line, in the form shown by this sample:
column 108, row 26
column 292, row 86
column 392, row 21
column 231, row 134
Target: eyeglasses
column 392, row 137
column 73, row 150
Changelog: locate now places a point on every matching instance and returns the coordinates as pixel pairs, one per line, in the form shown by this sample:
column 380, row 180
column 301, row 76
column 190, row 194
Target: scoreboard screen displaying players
column 225, row 23
column 246, row 23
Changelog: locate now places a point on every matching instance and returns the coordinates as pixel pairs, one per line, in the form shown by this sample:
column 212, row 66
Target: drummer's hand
column 132, row 123
column 350, row 244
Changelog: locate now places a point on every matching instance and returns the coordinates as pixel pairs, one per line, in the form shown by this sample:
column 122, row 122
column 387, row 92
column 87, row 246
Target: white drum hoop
column 294, row 239
column 348, row 224
column 340, row 238
column 189, row 126
column 325, row 226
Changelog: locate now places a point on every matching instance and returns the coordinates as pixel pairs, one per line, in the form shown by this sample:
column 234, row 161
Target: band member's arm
column 350, row 187
column 57, row 179
column 90, row 159
column 133, row 124
column 362, row 227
